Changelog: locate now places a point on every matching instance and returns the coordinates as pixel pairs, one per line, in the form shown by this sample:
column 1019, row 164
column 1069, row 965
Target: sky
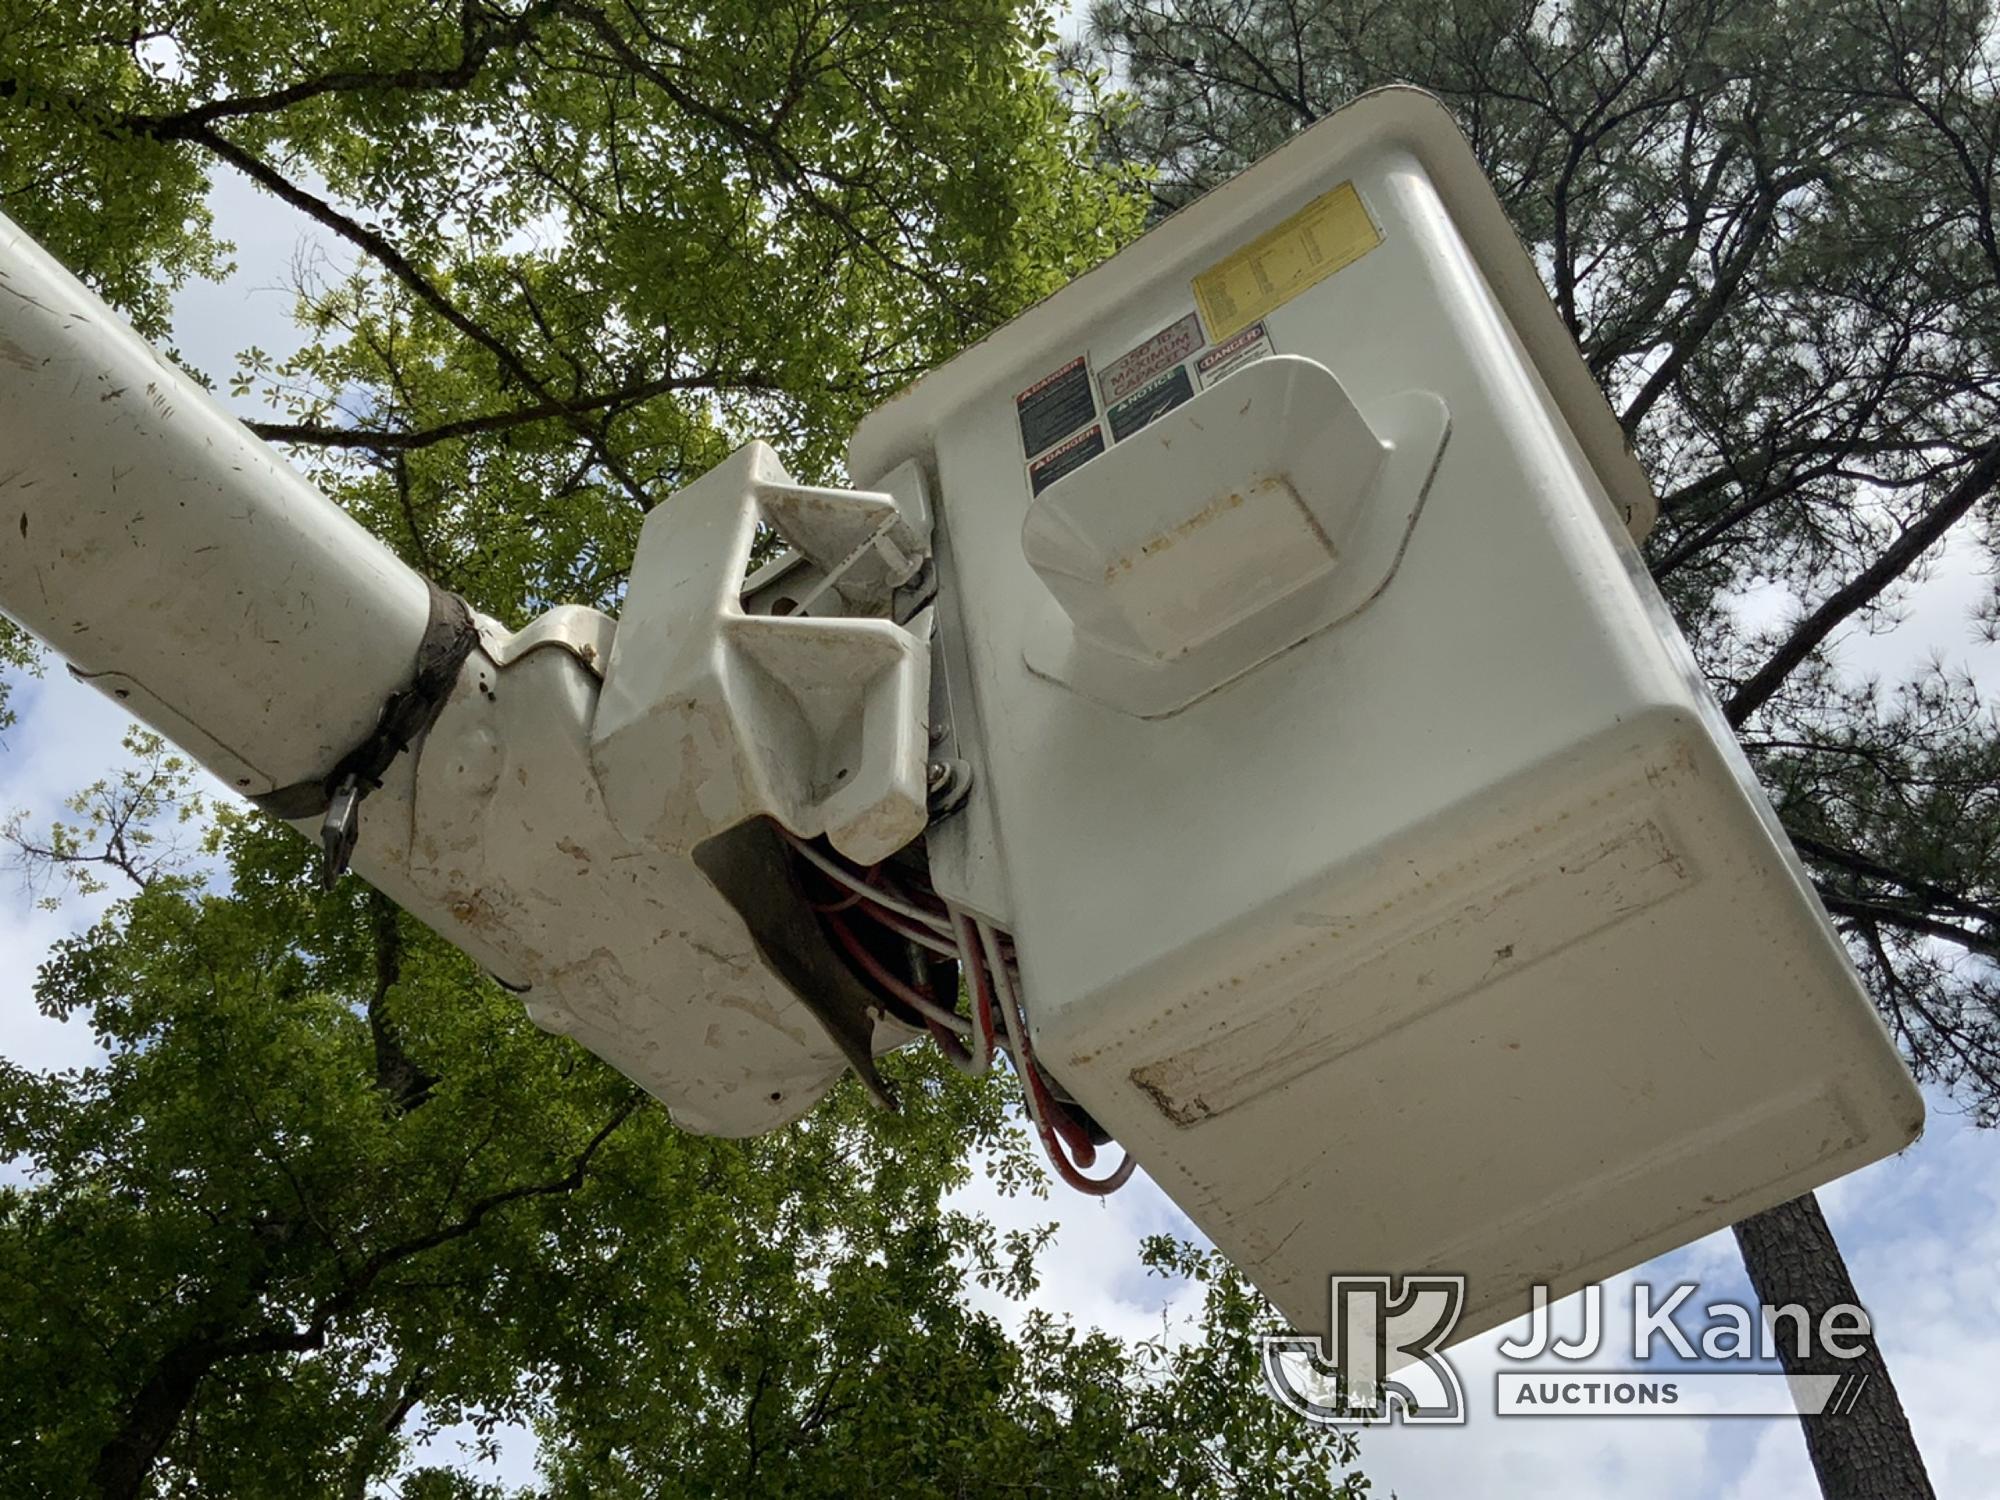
column 1921, row 1230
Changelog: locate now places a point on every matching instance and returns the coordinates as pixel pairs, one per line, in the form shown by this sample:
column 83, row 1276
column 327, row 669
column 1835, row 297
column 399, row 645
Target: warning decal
column 1054, row 407
column 1070, row 457
column 1149, row 360
column 1330, row 232
column 1151, row 401
column 1232, row 354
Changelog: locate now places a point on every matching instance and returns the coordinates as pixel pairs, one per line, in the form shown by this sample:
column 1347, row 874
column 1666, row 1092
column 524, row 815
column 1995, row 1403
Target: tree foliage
column 593, row 243
column 327, row 1174
column 325, row 1188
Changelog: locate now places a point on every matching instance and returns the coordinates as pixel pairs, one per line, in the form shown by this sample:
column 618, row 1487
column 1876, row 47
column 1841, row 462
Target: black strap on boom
column 448, row 639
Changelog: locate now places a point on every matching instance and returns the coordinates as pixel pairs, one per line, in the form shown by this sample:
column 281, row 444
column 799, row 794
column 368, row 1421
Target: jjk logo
column 1383, row 1363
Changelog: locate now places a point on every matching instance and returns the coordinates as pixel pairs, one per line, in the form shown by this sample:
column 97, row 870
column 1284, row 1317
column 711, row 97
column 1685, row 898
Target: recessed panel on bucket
column 1404, row 905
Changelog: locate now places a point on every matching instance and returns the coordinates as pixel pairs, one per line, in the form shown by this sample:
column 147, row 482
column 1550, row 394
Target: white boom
column 176, row 561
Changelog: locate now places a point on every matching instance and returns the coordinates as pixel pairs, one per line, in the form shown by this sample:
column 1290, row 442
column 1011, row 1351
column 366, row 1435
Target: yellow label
column 1332, row 231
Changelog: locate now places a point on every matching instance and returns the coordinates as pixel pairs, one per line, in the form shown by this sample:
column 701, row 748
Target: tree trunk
column 149, row 1420
column 1868, row 1452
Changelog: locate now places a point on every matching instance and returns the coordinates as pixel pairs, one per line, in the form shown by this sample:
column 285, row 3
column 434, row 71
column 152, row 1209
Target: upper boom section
column 173, row 558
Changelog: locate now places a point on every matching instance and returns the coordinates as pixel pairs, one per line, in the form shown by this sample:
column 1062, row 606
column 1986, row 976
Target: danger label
column 1067, row 459
column 1054, row 407
column 1232, row 354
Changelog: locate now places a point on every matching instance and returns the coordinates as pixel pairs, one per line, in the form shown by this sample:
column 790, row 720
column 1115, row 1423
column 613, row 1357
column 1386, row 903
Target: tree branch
column 148, row 1420
column 426, row 290
column 378, row 440
column 405, row 1085
column 1915, row 541
column 293, row 1339
column 1860, row 864
column 476, row 44
column 1889, row 914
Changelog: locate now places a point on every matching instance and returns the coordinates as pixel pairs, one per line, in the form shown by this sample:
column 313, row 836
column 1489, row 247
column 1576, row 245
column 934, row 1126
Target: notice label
column 1161, row 352
column 1232, row 354
column 1067, row 459
column 1054, row 407
column 1330, row 232
column 1151, row 401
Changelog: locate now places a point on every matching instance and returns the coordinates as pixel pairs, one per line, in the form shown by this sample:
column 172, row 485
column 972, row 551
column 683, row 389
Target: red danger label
column 1054, row 407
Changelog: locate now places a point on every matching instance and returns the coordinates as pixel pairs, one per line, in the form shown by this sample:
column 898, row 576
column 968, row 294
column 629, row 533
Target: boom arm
column 181, row 566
